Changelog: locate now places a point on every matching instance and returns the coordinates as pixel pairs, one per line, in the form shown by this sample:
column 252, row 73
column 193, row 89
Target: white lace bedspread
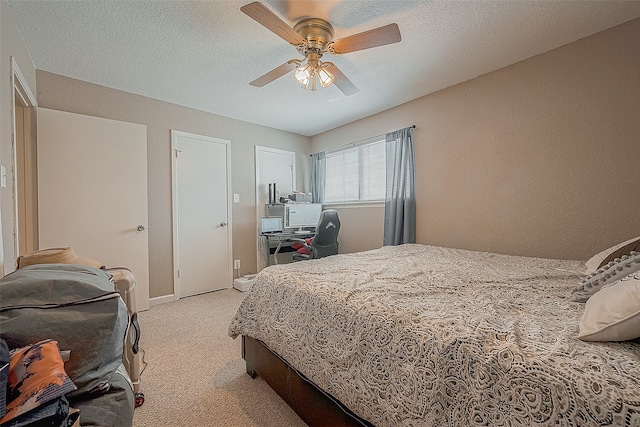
column 418, row 335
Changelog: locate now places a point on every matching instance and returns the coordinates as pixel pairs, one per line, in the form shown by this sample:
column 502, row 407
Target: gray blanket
column 418, row 335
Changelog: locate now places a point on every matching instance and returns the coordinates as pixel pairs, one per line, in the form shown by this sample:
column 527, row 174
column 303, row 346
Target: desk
column 279, row 240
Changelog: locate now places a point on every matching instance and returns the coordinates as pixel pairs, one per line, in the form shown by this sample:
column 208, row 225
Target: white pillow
column 600, row 259
column 606, row 275
column 613, row 313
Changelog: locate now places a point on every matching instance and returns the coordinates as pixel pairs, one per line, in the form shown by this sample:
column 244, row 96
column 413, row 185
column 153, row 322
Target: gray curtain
column 318, row 173
column 400, row 198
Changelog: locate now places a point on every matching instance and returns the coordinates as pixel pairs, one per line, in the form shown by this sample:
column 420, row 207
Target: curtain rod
column 353, row 144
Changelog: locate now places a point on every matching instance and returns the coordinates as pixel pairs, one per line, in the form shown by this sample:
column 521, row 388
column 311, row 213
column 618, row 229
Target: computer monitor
column 271, row 225
column 301, row 215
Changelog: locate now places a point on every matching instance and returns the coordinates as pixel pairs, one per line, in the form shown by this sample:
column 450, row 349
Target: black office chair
column 325, row 241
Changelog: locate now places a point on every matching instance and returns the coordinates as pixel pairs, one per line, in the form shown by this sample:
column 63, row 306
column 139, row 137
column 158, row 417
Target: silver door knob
column 141, row 227
column 223, row 224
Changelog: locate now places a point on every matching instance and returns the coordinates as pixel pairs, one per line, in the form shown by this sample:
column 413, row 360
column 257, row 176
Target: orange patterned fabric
column 36, row 376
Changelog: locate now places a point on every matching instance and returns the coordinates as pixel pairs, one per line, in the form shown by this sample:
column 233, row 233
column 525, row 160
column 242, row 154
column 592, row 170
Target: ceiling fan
column 313, row 38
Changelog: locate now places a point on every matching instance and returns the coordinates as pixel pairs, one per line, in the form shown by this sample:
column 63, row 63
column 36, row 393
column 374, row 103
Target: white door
column 202, row 216
column 272, row 166
column 92, row 191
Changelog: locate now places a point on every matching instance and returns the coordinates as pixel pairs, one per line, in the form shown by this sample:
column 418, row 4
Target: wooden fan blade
column 274, row 74
column 342, row 82
column 261, row 14
column 377, row 37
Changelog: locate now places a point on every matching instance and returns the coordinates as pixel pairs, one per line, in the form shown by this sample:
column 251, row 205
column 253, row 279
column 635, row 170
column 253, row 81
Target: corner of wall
column 12, row 45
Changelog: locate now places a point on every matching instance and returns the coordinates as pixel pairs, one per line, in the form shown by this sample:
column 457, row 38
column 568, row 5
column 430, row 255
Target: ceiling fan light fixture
column 310, row 85
column 312, row 38
column 310, row 70
column 303, row 73
column 325, row 77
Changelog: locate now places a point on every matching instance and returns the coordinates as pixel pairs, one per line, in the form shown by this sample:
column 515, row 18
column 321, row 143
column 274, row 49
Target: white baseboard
column 161, row 300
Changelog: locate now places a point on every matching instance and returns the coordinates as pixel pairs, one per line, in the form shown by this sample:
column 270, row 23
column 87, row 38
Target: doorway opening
column 23, row 164
column 273, row 166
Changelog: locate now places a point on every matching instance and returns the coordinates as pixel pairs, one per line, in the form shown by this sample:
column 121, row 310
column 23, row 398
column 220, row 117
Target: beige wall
column 361, row 228
column 539, row 158
column 66, row 94
column 11, row 45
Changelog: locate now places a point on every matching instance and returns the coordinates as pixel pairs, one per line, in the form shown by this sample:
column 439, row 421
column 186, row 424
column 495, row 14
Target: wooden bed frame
column 314, row 406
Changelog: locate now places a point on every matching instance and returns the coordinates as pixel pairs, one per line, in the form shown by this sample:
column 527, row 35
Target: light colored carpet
column 196, row 375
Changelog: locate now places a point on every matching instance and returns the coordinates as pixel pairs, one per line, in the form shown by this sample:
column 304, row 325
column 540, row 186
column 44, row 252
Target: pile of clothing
column 33, row 386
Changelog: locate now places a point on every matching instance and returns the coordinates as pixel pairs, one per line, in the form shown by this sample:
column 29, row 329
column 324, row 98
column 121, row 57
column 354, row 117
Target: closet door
column 201, row 214
column 92, row 191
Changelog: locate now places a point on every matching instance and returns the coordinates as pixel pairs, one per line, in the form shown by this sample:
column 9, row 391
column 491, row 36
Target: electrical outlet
column 236, row 264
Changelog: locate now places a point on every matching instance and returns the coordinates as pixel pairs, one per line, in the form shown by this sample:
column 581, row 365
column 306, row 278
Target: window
column 356, row 174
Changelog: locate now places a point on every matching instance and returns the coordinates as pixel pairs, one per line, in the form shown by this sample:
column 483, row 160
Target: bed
column 417, row 335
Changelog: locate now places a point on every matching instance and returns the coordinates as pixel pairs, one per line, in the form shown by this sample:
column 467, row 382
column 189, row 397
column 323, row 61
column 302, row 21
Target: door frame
column 174, row 204
column 20, row 88
column 260, row 207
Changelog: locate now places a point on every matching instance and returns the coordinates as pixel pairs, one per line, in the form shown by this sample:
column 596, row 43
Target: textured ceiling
column 203, row 54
